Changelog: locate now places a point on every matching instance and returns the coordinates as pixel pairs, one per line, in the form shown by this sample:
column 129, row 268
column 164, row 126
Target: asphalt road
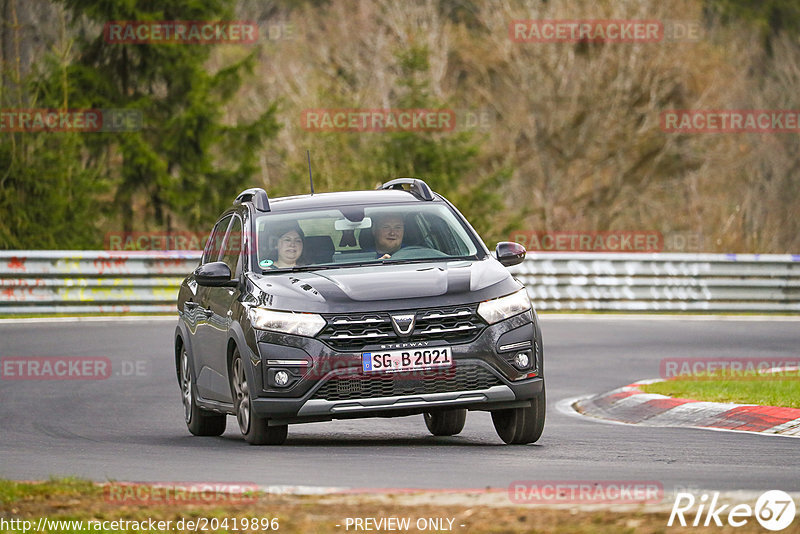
column 130, row 426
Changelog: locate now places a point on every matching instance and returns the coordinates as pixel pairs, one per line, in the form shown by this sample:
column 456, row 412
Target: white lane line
column 685, row 414
column 789, row 428
column 92, row 319
column 545, row 315
column 564, row 407
column 739, row 431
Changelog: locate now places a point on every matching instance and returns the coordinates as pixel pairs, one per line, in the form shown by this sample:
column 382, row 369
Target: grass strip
column 760, row 390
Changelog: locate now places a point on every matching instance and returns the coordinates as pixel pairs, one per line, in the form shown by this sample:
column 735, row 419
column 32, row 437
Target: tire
column 255, row 429
column 446, row 423
column 200, row 422
column 519, row 426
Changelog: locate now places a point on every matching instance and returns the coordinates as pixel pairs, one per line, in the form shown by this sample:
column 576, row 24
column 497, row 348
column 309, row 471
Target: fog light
column 281, row 378
column 521, row 360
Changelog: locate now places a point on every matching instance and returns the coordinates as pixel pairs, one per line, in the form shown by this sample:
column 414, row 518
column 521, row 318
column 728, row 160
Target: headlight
column 301, row 324
column 498, row 309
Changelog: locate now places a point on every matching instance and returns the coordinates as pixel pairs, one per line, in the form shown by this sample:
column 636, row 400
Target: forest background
column 549, row 137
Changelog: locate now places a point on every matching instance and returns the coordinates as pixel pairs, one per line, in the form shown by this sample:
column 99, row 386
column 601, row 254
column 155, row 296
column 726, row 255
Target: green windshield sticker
column 265, row 264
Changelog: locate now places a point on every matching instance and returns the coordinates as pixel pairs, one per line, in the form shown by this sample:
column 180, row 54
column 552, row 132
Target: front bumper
column 286, row 411
column 302, row 400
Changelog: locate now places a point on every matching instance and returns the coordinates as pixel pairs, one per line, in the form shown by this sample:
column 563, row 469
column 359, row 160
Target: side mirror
column 509, row 253
column 214, row 274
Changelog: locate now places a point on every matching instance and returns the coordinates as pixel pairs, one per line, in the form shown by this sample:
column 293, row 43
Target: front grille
column 354, row 331
column 363, row 386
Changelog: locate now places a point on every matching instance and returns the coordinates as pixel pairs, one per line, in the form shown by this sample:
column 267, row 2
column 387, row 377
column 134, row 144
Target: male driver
column 388, row 232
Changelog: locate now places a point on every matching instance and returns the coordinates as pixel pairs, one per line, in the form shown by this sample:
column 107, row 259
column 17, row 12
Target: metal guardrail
column 86, row 282
column 662, row 282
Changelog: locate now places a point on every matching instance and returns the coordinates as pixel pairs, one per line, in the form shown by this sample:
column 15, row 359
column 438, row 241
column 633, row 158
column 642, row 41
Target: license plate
column 406, row 360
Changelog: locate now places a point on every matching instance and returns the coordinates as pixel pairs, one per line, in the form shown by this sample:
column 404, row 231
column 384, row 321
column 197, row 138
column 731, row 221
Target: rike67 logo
column 774, row 510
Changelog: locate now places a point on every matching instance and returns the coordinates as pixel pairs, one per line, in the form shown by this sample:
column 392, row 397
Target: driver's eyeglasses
column 290, row 241
column 396, row 228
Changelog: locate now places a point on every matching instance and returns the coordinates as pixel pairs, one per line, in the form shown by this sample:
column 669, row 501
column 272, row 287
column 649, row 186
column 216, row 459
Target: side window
column 440, row 237
column 214, row 244
column 231, row 250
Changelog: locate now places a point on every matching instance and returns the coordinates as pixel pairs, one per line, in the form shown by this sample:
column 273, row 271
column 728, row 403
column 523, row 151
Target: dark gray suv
column 356, row 304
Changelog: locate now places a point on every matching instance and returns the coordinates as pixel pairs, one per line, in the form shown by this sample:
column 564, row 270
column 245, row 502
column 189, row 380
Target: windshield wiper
column 304, row 268
column 435, row 259
column 392, row 261
column 299, row 269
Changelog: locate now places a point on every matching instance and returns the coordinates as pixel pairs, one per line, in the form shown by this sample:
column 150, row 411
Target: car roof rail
column 417, row 187
column 256, row 195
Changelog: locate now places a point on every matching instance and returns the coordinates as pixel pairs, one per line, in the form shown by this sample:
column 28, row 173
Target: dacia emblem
column 403, row 324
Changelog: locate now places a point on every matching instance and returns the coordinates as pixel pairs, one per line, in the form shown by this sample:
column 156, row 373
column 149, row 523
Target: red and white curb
column 629, row 404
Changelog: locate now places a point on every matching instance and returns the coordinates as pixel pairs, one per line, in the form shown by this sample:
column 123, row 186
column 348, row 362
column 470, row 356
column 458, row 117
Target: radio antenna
column 310, row 178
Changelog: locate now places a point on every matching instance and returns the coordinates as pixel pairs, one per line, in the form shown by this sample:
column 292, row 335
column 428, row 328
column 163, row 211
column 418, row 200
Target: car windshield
column 352, row 235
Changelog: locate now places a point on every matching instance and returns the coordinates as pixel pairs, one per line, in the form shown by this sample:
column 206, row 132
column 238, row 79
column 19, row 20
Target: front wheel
column 446, row 423
column 254, row 429
column 521, row 425
column 200, row 422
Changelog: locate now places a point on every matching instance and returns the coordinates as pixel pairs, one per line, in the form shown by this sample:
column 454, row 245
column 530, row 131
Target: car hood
column 384, row 287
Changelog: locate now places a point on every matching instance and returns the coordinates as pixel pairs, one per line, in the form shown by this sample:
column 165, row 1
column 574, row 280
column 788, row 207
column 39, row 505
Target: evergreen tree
column 179, row 168
column 187, row 159
column 447, row 161
column 771, row 17
column 47, row 184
